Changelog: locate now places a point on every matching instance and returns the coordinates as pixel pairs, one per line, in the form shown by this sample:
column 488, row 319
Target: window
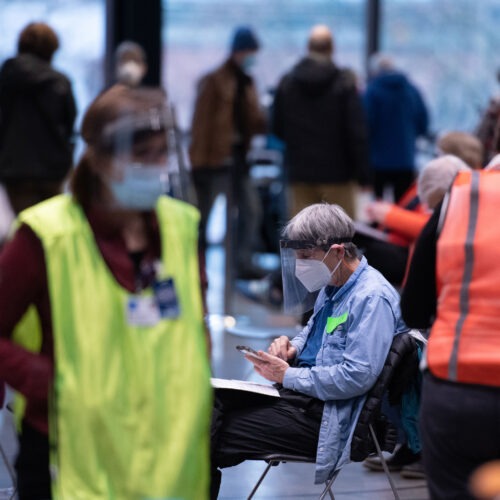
column 448, row 49
column 197, row 33
column 80, row 26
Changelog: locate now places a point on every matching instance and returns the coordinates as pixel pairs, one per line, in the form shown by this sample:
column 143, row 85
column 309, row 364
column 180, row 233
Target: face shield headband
column 297, row 299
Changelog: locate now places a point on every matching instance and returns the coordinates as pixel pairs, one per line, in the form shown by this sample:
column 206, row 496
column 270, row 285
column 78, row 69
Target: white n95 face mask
column 130, row 73
column 314, row 274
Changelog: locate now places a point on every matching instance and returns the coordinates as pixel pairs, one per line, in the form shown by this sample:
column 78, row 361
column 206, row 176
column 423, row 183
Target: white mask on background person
column 314, row 274
column 130, row 73
column 140, row 187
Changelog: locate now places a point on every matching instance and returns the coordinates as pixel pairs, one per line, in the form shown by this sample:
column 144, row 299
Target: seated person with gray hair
column 324, row 373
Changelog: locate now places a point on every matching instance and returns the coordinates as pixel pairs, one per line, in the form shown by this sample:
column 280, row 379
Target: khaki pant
column 303, row 194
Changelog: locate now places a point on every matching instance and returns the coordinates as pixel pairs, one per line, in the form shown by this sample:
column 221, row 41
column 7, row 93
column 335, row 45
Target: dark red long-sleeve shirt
column 23, row 282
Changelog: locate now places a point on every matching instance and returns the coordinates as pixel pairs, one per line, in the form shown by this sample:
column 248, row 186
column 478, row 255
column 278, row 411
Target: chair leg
column 328, row 486
column 261, row 478
column 10, row 470
column 384, row 463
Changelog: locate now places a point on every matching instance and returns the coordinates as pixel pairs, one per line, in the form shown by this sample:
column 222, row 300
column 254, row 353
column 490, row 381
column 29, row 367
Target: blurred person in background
column 101, row 293
column 318, row 114
column 227, row 115
column 434, row 181
column 130, row 63
column 402, row 222
column 37, row 115
column 397, row 117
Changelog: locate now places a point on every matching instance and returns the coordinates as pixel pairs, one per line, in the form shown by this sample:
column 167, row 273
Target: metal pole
column 373, row 21
column 229, row 243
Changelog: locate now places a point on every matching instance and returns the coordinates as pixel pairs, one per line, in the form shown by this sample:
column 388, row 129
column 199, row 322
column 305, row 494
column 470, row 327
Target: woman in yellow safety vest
column 103, row 333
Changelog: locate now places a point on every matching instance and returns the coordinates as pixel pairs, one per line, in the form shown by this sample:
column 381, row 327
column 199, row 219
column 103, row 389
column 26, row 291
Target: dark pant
column 460, row 427
column 398, row 180
column 245, row 209
column 32, row 465
column 247, row 425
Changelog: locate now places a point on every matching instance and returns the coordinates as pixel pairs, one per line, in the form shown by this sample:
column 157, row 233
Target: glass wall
column 80, row 25
column 448, row 47
column 197, row 33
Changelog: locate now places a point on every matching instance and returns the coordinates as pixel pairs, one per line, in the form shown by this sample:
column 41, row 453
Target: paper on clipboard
column 367, row 230
column 243, row 385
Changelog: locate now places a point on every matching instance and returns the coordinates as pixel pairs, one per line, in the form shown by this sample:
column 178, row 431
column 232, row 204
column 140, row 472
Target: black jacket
column 318, row 113
column 37, row 114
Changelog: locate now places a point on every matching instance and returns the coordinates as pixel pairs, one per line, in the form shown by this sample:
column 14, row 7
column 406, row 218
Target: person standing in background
column 37, row 115
column 227, row 115
column 319, row 116
column 397, row 116
column 130, row 63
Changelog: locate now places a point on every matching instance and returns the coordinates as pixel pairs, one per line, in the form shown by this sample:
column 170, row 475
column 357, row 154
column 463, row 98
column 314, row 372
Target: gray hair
column 320, row 222
column 436, row 178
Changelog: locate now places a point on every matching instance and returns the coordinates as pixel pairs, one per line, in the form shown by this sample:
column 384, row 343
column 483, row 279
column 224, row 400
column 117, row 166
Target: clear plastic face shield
column 304, row 272
column 144, row 158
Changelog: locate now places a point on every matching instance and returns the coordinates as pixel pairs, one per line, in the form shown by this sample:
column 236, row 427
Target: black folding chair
column 373, row 433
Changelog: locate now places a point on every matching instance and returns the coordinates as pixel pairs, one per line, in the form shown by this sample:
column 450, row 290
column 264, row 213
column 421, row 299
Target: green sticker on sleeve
column 333, row 321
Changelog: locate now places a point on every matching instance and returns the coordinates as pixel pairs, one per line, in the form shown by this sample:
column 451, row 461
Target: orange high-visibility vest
column 464, row 344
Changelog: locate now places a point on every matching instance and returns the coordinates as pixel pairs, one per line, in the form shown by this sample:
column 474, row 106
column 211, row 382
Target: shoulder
column 371, row 284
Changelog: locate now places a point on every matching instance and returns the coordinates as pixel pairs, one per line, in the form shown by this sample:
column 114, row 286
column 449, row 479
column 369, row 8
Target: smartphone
column 248, row 351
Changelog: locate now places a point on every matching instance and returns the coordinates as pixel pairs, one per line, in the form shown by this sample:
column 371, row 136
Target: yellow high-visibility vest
column 131, row 404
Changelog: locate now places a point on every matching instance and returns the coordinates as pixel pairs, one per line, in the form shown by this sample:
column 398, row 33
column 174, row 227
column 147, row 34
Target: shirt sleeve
column 23, row 282
column 405, row 222
column 370, row 330
column 419, row 296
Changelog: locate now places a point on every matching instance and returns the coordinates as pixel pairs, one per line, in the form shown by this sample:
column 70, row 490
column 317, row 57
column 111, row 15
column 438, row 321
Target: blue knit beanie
column 244, row 39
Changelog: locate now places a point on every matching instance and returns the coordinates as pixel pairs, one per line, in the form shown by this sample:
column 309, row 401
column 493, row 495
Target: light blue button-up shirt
column 356, row 340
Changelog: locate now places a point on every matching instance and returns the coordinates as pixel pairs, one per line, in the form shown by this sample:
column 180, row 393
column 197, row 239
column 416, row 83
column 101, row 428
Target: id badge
column 142, row 310
column 166, row 298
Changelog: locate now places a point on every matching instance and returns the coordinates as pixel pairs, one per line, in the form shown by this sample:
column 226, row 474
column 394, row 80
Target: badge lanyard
column 148, row 310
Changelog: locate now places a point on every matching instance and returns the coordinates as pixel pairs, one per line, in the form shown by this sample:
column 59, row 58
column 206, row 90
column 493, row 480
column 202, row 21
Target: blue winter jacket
column 366, row 317
column 397, row 116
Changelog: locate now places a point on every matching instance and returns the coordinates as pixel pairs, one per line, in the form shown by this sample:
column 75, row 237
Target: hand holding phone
column 248, row 351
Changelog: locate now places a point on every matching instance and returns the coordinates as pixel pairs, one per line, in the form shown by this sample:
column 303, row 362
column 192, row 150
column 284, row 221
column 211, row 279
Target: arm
column 70, row 112
column 405, row 222
column 277, row 118
column 422, row 115
column 419, row 298
column 23, row 282
column 370, row 331
column 201, row 126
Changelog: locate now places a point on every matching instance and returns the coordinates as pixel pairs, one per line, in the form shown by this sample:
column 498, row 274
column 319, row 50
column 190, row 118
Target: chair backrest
column 399, row 370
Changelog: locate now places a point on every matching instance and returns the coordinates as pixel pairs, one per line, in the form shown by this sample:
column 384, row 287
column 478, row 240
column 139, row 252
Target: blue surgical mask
column 140, row 187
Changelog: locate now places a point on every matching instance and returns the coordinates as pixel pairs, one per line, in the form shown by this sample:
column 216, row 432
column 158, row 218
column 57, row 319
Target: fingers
column 279, row 347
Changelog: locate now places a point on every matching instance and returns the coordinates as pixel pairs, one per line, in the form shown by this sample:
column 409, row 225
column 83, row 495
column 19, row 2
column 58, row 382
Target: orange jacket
column 464, row 345
column 406, row 219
